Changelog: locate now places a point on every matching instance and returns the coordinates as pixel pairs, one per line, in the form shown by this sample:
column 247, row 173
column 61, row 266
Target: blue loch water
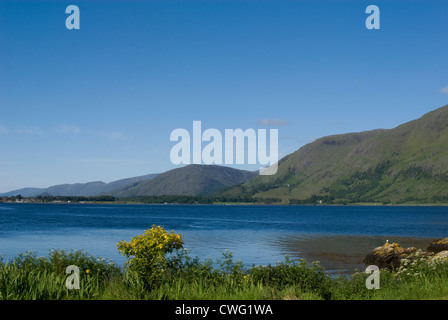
column 338, row 236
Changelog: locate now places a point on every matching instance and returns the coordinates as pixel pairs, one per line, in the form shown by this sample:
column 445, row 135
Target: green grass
column 29, row 277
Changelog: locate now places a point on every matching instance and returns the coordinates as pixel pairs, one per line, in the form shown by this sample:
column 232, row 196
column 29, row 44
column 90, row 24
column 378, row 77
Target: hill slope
column 406, row 164
column 191, row 180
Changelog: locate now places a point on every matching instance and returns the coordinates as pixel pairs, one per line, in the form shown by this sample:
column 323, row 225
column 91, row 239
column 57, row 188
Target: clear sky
column 99, row 103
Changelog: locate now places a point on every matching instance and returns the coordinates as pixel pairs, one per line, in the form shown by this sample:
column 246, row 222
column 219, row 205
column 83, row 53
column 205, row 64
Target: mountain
column 119, row 184
column 26, row 192
column 408, row 163
column 191, row 180
column 79, row 189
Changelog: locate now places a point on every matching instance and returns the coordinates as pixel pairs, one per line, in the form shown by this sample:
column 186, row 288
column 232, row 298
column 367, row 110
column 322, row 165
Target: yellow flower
column 245, row 277
column 88, row 271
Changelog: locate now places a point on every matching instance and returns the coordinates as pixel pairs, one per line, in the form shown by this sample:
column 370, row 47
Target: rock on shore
column 438, row 245
column 390, row 255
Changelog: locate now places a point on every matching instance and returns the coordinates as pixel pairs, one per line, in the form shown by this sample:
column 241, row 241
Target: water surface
column 338, row 236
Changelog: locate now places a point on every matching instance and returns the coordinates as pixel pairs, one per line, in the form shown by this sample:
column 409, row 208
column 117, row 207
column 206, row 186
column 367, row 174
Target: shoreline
column 237, row 204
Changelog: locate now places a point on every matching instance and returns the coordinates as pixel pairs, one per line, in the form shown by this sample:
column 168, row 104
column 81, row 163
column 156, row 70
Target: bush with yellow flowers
column 148, row 254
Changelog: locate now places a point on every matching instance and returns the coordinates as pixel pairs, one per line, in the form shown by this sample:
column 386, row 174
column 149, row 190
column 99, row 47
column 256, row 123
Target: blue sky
column 99, row 103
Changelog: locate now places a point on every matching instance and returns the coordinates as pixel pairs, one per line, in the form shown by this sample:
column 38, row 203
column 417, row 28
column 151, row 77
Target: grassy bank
column 29, row 277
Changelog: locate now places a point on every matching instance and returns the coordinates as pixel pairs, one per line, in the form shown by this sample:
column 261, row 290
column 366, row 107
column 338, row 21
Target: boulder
column 388, row 256
column 438, row 245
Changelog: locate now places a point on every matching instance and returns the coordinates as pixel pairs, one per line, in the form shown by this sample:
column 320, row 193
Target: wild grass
column 32, row 277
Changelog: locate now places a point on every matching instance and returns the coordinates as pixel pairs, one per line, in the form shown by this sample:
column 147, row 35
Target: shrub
column 148, row 254
column 308, row 277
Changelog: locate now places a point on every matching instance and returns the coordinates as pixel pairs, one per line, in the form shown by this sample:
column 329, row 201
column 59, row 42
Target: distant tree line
column 179, row 199
column 49, row 198
column 168, row 199
column 314, row 199
column 102, row 198
column 243, row 198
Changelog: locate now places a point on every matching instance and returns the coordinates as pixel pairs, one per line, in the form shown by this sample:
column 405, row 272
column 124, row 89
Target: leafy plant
column 148, row 254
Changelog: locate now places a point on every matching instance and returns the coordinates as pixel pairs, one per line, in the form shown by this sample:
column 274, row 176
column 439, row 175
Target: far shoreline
column 361, row 204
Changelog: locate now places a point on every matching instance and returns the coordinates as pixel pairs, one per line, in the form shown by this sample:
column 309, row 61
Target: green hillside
column 407, row 164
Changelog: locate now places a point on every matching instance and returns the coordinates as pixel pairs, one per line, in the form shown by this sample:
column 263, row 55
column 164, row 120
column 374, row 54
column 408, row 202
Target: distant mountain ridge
column 79, row 189
column 191, row 180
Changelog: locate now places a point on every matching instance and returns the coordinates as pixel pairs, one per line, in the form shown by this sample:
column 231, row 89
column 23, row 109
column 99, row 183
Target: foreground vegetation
column 158, row 267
